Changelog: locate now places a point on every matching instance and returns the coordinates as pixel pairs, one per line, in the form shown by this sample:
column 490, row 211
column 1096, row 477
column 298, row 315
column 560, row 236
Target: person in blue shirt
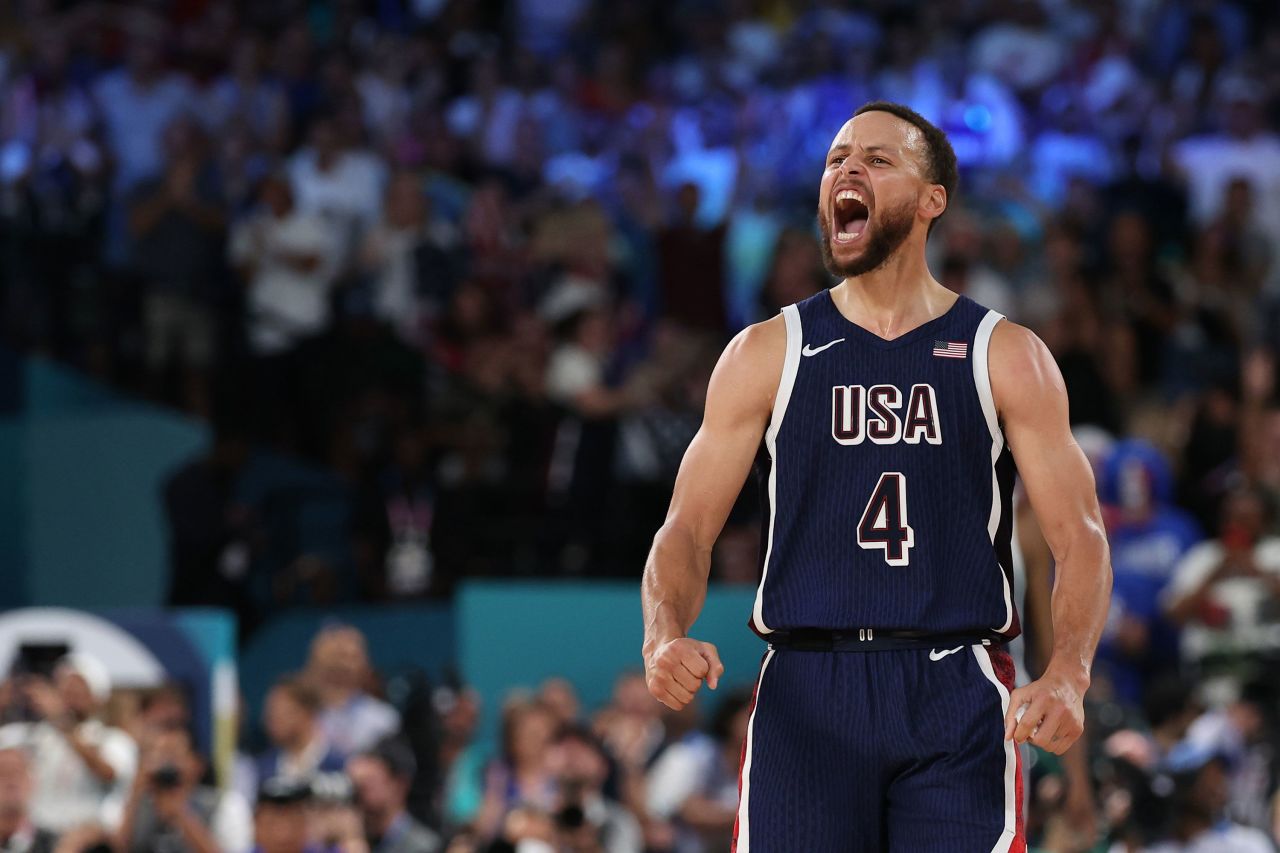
column 1148, row 537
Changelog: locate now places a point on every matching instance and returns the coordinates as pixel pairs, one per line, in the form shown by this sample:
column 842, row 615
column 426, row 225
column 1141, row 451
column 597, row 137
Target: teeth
column 847, row 194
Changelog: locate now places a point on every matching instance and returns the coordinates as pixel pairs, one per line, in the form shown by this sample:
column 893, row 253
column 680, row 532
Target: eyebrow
column 845, row 146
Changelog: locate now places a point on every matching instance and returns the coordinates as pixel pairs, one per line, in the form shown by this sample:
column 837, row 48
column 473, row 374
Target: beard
column 891, row 231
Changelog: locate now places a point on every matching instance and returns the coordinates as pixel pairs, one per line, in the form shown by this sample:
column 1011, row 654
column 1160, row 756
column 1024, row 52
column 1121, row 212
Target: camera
column 166, row 778
column 571, row 817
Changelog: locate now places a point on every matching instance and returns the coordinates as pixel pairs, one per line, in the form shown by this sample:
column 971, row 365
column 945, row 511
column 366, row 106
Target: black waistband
column 873, row 639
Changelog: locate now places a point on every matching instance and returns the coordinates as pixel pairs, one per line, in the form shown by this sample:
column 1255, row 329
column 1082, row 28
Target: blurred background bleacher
column 348, row 349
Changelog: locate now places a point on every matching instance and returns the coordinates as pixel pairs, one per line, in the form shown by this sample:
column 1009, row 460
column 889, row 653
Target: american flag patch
column 950, row 349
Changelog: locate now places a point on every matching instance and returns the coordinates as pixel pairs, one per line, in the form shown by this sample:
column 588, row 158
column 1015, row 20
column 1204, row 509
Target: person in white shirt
column 78, row 762
column 289, row 259
column 1225, row 590
column 17, row 832
column 1247, row 149
column 337, row 179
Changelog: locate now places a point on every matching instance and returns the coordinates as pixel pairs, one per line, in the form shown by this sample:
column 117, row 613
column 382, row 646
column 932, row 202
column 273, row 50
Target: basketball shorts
column 900, row 751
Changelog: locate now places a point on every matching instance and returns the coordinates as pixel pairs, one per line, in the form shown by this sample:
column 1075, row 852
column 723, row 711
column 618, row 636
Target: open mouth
column 851, row 214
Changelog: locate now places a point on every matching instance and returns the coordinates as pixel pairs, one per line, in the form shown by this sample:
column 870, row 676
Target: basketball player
column 892, row 413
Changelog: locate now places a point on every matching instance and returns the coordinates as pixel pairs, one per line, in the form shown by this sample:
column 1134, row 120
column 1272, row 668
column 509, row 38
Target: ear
column 934, row 202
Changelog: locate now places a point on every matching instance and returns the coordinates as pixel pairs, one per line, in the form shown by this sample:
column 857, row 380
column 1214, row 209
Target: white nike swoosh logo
column 808, row 350
column 937, row 655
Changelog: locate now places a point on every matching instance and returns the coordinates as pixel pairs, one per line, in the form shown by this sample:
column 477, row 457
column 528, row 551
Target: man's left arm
column 1032, row 403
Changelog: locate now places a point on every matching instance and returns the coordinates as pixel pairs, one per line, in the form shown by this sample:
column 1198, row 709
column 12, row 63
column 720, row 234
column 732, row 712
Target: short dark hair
column 395, row 754
column 301, row 690
column 942, row 167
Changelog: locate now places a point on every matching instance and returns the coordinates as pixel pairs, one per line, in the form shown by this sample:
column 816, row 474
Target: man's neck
column 895, row 298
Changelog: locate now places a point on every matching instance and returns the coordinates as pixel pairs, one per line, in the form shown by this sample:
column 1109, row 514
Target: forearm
column 195, row 833
column 1081, row 596
column 675, row 584
column 91, row 757
column 124, row 835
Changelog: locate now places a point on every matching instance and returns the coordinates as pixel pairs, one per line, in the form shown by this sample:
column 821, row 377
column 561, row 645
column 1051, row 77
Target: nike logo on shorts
column 808, row 350
column 937, row 655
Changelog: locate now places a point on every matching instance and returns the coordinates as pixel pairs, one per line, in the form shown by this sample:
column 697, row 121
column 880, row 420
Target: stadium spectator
column 1245, row 148
column 591, row 820
column 280, row 819
column 351, row 719
column 1199, row 805
column 138, row 102
column 1148, row 536
column 461, row 760
column 168, row 809
column 77, row 760
column 1224, row 590
column 300, row 748
column 209, row 529
column 17, row 831
column 333, row 817
column 694, row 783
column 391, row 253
column 288, row 258
column 245, row 94
column 521, row 776
column 559, row 695
column 382, row 777
column 177, row 222
column 691, row 266
column 1242, row 730
column 336, row 178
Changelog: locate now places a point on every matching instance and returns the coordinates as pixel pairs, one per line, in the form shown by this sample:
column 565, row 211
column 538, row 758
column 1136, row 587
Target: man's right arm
column 739, row 406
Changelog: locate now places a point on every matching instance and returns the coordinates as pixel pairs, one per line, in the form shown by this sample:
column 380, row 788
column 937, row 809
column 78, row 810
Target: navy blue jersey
column 887, row 482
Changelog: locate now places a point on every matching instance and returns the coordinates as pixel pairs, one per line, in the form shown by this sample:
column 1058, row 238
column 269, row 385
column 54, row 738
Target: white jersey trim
column 1010, row 831
column 982, row 380
column 790, row 368
column 744, row 818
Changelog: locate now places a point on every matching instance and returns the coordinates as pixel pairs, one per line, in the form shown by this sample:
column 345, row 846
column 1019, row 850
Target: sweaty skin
column 883, row 157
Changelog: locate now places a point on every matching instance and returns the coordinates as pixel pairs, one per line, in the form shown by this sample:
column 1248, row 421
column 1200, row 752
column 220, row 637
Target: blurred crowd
column 448, row 278
column 342, row 758
column 342, row 770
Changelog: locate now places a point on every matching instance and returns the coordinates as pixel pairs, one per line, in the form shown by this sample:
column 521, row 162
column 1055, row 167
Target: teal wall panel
column 13, row 530
column 513, row 634
column 93, row 516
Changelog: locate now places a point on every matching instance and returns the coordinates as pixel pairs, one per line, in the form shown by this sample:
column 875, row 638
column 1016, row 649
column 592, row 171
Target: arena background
column 360, row 341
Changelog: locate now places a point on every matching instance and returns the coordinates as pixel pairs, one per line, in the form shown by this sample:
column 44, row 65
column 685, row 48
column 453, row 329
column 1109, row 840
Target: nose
column 851, row 166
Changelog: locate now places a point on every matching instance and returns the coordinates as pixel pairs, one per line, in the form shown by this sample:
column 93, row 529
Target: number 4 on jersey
column 884, row 521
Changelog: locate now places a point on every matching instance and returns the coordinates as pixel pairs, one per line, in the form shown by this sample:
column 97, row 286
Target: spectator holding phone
column 1224, row 590
column 76, row 760
column 169, row 811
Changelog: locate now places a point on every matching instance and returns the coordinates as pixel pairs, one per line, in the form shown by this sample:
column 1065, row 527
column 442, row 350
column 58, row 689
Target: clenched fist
column 675, row 670
column 1054, row 715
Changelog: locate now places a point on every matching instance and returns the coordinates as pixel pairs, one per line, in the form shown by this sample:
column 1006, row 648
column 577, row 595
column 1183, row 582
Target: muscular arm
column 739, row 405
column 1032, row 403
